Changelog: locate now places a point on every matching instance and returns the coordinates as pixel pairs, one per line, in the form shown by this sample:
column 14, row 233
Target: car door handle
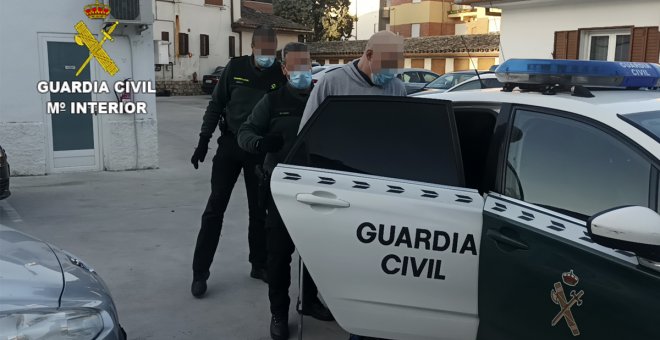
column 313, row 199
column 501, row 238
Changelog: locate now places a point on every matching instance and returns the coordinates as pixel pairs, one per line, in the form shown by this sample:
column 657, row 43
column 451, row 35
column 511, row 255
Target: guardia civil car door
column 372, row 195
column 542, row 275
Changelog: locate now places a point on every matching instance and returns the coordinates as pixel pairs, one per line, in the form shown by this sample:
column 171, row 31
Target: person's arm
column 400, row 89
column 215, row 109
column 316, row 97
column 255, row 127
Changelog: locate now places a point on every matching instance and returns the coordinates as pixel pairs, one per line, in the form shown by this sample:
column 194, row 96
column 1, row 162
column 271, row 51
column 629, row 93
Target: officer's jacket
column 277, row 113
column 239, row 89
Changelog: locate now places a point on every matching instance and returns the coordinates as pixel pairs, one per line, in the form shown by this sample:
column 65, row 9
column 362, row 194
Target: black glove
column 200, row 152
column 270, row 143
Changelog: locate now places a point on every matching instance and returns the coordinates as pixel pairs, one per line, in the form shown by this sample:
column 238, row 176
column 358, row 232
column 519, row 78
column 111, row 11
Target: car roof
column 473, row 79
column 482, row 76
column 413, row 69
column 605, row 106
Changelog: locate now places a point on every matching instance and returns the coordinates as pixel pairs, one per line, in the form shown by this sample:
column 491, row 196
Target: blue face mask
column 300, row 79
column 384, row 76
column 264, row 61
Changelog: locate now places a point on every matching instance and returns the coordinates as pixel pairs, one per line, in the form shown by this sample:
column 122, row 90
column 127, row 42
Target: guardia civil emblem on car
column 559, row 297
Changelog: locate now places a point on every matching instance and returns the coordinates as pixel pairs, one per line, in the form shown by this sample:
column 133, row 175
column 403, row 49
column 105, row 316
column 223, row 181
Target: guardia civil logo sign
column 86, row 38
column 558, row 296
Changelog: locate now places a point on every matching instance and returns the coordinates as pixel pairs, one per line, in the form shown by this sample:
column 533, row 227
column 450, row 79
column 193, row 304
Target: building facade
column 194, row 37
column 197, row 35
column 589, row 29
column 40, row 143
column 421, row 18
column 439, row 54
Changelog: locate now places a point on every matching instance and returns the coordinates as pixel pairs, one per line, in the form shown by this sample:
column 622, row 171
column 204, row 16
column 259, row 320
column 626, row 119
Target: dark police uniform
column 239, row 89
column 278, row 113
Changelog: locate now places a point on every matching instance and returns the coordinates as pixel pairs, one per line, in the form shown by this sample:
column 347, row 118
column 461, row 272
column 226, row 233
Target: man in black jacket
column 272, row 128
column 243, row 82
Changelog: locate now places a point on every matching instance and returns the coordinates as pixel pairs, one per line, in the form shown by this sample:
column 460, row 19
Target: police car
column 529, row 212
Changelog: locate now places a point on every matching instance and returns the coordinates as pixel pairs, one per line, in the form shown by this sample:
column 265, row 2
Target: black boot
column 279, row 328
column 259, row 273
column 317, row 310
column 198, row 287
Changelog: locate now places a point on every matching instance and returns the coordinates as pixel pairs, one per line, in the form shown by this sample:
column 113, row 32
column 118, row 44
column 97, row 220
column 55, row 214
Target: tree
column 329, row 19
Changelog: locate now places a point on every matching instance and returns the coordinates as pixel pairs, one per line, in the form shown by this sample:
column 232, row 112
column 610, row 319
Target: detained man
column 372, row 74
column 271, row 129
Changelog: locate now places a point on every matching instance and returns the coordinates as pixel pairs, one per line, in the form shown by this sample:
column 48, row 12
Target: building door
column 73, row 137
column 438, row 66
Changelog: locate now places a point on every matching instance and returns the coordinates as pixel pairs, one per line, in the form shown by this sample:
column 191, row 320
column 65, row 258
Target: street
column 137, row 229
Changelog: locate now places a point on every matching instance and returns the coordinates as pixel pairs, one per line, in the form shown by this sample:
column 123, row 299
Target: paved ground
column 138, row 230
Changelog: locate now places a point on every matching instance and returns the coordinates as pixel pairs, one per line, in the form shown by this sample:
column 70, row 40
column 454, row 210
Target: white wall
column 195, row 18
column 527, row 31
column 23, row 117
column 282, row 40
column 367, row 13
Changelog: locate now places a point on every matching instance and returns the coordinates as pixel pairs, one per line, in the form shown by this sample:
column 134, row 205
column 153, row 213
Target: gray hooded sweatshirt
column 347, row 80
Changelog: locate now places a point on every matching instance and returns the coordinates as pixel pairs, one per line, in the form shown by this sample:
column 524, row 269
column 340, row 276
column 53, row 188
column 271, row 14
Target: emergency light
column 579, row 72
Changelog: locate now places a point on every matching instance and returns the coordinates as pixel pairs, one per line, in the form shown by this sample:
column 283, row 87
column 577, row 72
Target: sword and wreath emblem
column 558, row 296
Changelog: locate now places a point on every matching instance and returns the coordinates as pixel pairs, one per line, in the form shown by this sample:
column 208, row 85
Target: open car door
column 373, row 197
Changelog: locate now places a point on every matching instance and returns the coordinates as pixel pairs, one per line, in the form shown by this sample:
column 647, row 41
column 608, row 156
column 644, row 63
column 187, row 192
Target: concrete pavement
column 137, row 229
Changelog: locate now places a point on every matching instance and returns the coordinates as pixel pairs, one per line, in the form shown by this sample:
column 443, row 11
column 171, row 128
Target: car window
column 411, row 77
column 428, row 77
column 404, row 138
column 648, row 122
column 492, row 83
column 443, row 82
column 470, row 85
column 463, row 77
column 572, row 167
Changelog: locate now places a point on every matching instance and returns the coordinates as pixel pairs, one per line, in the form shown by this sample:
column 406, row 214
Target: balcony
column 463, row 13
column 468, row 13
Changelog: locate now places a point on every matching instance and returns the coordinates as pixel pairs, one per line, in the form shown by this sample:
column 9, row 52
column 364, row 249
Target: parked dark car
column 48, row 293
column 4, row 175
column 209, row 80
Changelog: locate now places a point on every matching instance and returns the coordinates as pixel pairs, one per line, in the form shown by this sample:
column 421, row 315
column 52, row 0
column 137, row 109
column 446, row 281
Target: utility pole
column 356, row 20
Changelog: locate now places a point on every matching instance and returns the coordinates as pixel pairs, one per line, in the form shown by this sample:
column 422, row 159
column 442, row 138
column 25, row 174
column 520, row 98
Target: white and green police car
column 529, row 212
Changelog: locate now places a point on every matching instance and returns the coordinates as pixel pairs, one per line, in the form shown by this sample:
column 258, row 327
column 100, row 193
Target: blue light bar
column 579, row 72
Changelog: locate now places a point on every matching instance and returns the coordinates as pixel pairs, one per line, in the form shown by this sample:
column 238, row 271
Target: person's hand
column 200, row 152
column 270, row 143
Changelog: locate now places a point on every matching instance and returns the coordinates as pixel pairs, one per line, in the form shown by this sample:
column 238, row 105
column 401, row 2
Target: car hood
column 30, row 273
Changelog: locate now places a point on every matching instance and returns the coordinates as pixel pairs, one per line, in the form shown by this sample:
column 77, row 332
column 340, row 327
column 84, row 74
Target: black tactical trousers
column 228, row 162
column 280, row 248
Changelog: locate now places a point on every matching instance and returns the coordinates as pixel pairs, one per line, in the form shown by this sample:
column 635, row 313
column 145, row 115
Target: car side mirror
column 632, row 228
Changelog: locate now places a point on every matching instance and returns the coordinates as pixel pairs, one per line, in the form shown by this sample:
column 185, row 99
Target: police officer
column 243, row 82
column 272, row 128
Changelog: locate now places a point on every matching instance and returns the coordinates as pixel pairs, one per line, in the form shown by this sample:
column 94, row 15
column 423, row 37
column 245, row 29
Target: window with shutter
column 203, row 45
column 165, row 36
column 183, row 44
column 566, row 45
column 213, row 2
column 645, row 44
